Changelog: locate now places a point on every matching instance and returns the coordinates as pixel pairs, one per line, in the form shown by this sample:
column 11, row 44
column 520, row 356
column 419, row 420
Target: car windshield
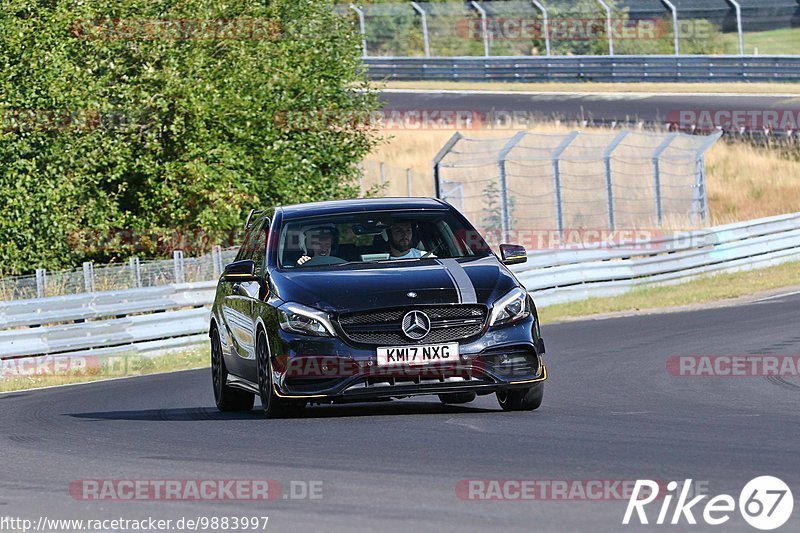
column 381, row 236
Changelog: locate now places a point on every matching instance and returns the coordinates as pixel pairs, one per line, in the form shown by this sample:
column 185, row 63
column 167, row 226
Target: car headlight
column 510, row 308
column 296, row 318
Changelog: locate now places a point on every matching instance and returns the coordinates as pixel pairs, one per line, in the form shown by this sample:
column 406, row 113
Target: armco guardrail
column 110, row 322
column 586, row 68
column 562, row 276
column 108, row 304
column 174, row 316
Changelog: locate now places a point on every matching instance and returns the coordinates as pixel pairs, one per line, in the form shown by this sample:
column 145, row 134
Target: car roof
column 337, row 207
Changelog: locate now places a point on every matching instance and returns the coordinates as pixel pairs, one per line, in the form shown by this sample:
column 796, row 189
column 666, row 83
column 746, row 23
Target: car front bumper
column 328, row 369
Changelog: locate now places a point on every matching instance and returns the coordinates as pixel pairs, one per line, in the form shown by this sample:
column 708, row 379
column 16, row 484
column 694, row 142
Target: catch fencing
column 134, row 273
column 537, row 181
column 575, row 27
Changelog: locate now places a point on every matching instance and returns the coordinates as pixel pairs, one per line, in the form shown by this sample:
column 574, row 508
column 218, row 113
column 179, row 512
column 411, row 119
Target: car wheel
column 457, row 397
column 521, row 399
column 273, row 406
column 227, row 398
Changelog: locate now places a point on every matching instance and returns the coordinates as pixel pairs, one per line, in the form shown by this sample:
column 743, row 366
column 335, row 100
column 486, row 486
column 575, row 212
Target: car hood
column 374, row 285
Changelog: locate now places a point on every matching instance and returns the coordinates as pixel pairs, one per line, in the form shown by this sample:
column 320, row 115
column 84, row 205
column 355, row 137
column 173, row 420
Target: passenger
column 401, row 234
column 319, row 242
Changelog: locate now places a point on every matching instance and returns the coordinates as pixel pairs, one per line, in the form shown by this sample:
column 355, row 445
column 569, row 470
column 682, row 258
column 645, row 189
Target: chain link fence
column 376, row 178
column 117, row 276
column 576, row 27
column 555, row 182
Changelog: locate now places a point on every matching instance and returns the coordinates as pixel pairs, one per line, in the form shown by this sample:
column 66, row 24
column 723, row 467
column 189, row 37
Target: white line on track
column 777, row 296
column 582, row 94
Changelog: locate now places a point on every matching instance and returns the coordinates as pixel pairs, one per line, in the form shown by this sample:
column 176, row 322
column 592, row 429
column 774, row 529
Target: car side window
column 260, row 246
column 246, row 249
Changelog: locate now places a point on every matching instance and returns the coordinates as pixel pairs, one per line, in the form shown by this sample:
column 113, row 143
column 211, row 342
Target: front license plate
column 417, row 355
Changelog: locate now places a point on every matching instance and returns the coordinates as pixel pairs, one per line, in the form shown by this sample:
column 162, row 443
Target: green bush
column 105, row 126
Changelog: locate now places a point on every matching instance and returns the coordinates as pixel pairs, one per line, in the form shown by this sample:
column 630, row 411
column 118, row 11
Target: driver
column 319, row 242
column 400, row 234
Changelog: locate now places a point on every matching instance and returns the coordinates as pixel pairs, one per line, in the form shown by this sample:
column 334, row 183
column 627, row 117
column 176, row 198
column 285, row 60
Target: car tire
column 528, row 399
column 454, row 398
column 271, row 403
column 227, row 398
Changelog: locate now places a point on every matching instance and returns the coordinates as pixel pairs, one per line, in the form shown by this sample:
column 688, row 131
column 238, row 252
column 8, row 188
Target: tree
column 164, row 116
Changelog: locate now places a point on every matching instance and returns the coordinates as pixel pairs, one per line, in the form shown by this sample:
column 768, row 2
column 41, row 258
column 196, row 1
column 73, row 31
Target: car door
column 249, row 297
column 234, row 316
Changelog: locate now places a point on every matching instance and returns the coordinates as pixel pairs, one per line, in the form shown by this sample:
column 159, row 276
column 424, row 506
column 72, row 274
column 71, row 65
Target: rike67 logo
column 766, row 503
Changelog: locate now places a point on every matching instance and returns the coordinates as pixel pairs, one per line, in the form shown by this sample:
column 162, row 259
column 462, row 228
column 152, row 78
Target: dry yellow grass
column 744, row 182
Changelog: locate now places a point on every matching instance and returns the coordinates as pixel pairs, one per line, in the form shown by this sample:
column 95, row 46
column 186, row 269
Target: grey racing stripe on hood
column 466, row 289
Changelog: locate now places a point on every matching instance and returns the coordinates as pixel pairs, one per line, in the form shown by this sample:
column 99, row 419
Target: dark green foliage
column 167, row 134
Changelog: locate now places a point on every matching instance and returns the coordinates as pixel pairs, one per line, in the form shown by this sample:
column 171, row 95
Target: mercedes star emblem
column 416, row 325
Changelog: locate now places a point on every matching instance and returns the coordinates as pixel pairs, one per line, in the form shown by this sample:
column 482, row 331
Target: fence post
column 41, row 282
column 383, row 173
column 657, row 174
column 701, row 193
column 455, row 195
column 136, row 273
column 609, row 185
column 425, row 37
column 504, row 200
column 610, row 28
column 360, row 167
column 738, row 7
column 484, row 26
column 216, row 260
column 546, row 25
column 556, row 162
column 177, row 264
column 409, row 179
column 674, row 11
column 437, row 159
column 362, row 25
column 88, row 276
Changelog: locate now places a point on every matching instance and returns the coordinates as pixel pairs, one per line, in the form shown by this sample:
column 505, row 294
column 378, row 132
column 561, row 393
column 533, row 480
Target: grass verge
column 48, row 371
column 589, row 87
column 699, row 291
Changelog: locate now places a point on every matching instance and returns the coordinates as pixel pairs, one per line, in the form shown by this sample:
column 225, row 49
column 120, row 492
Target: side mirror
column 513, row 254
column 240, row 271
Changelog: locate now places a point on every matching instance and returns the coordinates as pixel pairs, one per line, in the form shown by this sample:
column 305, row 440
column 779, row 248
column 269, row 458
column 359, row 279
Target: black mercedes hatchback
column 372, row 300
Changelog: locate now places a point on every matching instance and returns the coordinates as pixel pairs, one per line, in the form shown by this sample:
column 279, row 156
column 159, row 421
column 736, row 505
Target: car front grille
column 449, row 323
